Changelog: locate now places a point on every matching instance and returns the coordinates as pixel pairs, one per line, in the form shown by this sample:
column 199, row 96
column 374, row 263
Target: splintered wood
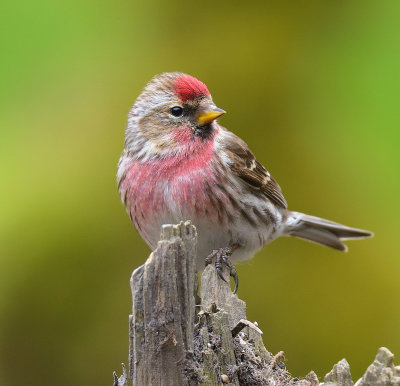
column 180, row 338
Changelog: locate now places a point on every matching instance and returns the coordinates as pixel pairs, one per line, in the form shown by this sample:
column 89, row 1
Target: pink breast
column 169, row 187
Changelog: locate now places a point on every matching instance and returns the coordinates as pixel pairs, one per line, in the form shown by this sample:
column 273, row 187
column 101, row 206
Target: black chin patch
column 203, row 131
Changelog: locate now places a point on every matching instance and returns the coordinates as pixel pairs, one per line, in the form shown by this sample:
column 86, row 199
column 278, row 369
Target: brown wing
column 244, row 164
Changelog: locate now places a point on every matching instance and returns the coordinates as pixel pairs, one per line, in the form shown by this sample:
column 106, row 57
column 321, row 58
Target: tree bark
column 178, row 338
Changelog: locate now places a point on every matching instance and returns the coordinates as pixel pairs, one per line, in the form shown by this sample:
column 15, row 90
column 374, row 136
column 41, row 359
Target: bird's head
column 173, row 110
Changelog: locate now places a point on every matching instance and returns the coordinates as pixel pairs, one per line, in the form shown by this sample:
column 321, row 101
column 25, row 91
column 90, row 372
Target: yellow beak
column 213, row 112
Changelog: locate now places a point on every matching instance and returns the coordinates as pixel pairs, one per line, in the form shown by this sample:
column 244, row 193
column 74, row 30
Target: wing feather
column 244, row 165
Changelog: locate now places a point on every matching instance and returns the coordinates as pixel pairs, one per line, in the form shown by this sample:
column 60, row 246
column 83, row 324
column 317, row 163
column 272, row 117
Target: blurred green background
column 312, row 87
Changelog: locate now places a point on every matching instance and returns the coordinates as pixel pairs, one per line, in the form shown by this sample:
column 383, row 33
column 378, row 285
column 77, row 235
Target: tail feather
column 323, row 231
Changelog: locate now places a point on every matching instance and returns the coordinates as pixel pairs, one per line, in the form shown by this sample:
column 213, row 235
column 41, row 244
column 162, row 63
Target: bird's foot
column 222, row 257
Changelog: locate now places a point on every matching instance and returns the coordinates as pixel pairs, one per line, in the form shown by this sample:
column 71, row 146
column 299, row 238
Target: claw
column 218, row 264
column 222, row 257
column 233, row 274
column 219, row 272
column 209, row 258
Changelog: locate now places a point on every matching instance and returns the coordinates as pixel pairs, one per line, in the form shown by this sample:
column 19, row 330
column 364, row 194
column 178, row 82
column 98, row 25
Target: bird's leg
column 222, row 257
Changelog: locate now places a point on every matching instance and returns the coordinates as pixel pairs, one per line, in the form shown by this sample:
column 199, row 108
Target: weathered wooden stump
column 178, row 338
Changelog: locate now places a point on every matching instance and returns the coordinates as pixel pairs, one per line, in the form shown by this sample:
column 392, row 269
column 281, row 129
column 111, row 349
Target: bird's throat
column 204, row 131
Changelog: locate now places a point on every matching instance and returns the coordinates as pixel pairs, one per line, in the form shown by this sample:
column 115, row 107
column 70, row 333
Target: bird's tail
column 321, row 231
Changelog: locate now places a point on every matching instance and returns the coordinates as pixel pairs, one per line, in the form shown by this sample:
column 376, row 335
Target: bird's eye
column 176, row 111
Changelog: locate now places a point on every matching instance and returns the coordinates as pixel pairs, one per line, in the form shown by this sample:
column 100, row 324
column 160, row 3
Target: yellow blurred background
column 314, row 90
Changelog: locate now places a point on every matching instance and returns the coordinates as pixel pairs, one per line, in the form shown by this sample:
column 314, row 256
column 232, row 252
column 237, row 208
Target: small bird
column 180, row 164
